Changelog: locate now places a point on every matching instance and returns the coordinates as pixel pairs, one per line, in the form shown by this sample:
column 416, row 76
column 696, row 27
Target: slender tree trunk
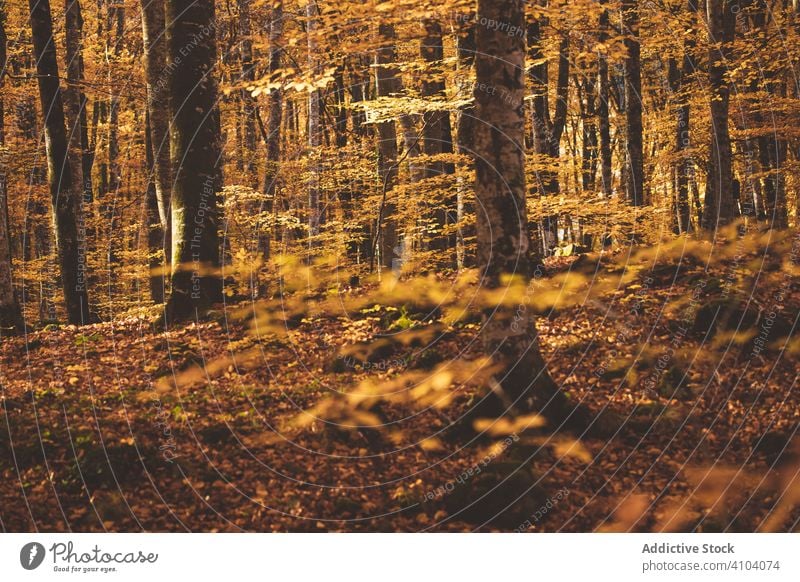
column 65, row 191
column 314, row 127
column 387, row 83
column 465, row 137
column 772, row 149
column 153, row 227
column 547, row 130
column 273, row 126
column 359, row 234
column 603, row 121
column 633, row 105
column 10, row 314
column 588, row 135
column 437, row 136
column 156, row 76
column 340, row 107
column 685, row 166
column 718, row 209
column 117, row 19
column 74, row 99
column 196, row 159
column 248, row 102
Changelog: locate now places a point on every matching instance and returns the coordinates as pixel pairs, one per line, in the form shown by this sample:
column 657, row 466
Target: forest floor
column 701, row 382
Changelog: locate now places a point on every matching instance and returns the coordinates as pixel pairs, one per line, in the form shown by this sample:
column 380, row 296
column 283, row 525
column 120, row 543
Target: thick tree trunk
column 509, row 334
column 10, row 314
column 156, row 76
column 196, row 159
column 603, row 121
column 65, row 191
column 633, row 105
column 718, row 209
column 387, row 83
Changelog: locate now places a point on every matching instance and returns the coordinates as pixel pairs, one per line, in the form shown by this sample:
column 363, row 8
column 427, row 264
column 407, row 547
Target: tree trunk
column 772, row 149
column 65, row 191
column 156, row 76
column 248, row 102
column 685, row 165
column 589, row 135
column 10, row 314
column 273, row 127
column 153, row 227
column 314, row 127
column 718, row 209
column 509, row 334
column 117, row 18
column 633, row 105
column 465, row 137
column 74, row 98
column 547, row 131
column 196, row 159
column 437, row 135
column 603, row 122
column 388, row 83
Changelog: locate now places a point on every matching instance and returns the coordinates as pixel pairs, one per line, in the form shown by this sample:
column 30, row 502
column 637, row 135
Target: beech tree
column 156, row 72
column 196, row 158
column 387, row 83
column 719, row 207
column 547, row 128
column 634, row 186
column 10, row 314
column 273, row 130
column 603, row 121
column 509, row 334
column 63, row 171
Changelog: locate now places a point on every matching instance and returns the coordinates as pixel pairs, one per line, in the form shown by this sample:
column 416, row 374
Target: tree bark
column 387, row 82
column 509, row 334
column 684, row 169
column 156, row 74
column 10, row 314
column 718, row 208
column 314, row 127
column 547, row 130
column 116, row 18
column 196, row 159
column 273, row 144
column 603, row 121
column 465, row 144
column 74, row 98
column 437, row 137
column 65, row 191
column 248, row 102
column 588, row 135
column 633, row 105
column 153, row 228
column 772, row 149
